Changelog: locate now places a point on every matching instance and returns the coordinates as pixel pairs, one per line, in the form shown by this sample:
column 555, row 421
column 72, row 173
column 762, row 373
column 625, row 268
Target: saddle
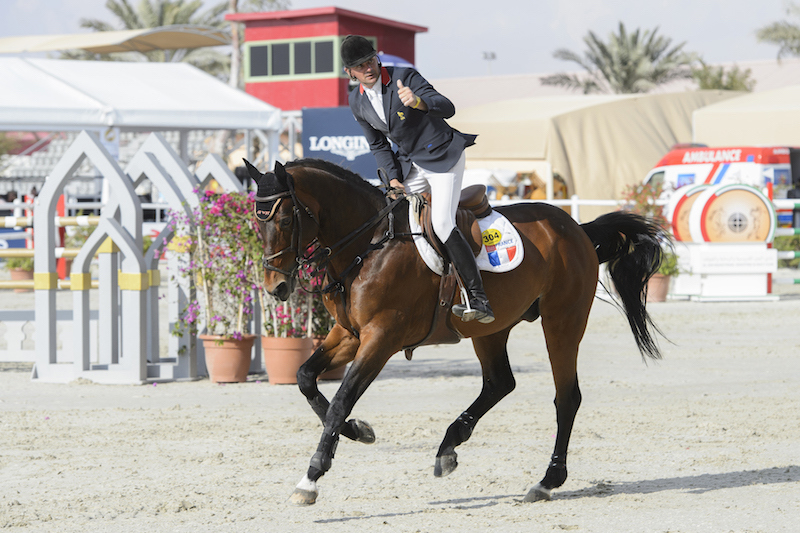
column 473, row 205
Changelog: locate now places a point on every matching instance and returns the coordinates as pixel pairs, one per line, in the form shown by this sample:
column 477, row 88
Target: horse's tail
column 630, row 244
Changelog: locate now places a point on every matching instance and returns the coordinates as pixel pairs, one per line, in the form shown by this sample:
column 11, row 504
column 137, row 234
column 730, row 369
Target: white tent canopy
column 764, row 118
column 62, row 95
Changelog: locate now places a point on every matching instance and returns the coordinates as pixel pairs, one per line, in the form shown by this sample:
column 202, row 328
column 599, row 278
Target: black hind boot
column 464, row 260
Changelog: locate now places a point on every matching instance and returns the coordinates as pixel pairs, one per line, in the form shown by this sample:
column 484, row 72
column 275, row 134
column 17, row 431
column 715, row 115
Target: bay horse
column 383, row 297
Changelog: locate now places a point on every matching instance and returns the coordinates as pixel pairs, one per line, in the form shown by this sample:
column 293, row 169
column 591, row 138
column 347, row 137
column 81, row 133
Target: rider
column 398, row 104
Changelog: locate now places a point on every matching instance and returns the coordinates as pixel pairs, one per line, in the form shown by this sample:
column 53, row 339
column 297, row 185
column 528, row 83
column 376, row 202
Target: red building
column 291, row 58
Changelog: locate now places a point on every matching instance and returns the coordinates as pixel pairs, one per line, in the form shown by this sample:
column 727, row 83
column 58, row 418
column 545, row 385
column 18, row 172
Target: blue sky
column 522, row 33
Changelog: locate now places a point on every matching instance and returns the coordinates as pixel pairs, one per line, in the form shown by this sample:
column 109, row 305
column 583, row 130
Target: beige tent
column 765, row 118
column 105, row 42
column 598, row 144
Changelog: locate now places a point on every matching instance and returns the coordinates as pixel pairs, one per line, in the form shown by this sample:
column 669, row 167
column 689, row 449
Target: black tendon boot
column 462, row 257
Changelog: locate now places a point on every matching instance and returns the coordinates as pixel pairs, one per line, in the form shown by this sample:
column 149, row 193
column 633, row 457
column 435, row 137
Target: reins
column 386, row 212
column 321, row 255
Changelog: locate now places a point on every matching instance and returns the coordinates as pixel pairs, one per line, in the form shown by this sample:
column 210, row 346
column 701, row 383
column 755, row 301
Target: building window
column 286, row 59
column 280, row 59
column 323, row 56
column 259, row 60
column 302, row 58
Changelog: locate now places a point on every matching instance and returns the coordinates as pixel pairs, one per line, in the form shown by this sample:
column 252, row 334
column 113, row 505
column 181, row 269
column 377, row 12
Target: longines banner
column 331, row 133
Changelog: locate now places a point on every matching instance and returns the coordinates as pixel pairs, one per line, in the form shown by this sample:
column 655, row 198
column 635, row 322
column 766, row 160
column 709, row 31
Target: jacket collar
column 386, row 79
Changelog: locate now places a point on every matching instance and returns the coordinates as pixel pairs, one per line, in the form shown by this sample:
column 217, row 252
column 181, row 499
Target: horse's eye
column 285, row 222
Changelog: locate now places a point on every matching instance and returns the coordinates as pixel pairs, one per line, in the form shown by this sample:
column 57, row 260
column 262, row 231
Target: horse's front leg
column 371, row 357
column 338, row 349
column 498, row 381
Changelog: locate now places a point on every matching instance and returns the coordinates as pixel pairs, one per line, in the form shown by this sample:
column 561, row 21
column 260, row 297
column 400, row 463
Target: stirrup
column 467, row 313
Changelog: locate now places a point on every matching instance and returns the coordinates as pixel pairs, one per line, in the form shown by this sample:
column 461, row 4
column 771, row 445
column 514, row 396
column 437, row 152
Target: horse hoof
column 537, row 494
column 445, row 465
column 303, row 497
column 365, row 432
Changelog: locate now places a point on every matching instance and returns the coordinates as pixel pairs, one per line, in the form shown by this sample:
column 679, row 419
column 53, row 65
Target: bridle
column 317, row 254
column 297, row 228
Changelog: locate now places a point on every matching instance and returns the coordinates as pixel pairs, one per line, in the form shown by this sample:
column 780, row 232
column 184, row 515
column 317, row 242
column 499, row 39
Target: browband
column 263, row 210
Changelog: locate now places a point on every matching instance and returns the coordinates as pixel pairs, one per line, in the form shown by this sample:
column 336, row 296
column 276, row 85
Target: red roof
column 320, row 11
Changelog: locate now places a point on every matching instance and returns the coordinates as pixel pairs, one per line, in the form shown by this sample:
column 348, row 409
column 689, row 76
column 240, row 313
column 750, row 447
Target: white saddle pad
column 502, row 249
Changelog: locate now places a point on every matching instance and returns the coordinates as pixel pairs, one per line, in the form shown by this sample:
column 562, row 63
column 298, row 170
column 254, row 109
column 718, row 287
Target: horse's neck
column 342, row 211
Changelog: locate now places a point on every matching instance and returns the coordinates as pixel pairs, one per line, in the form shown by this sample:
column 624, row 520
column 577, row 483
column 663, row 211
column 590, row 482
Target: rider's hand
column 408, row 97
column 395, row 184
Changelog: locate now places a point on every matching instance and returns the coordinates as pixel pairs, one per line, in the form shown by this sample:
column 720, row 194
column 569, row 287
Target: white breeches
column 445, row 190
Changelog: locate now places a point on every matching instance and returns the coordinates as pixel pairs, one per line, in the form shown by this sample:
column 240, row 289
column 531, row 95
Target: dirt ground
column 706, row 440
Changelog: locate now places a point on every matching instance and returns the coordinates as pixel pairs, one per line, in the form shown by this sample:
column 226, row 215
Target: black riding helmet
column 355, row 50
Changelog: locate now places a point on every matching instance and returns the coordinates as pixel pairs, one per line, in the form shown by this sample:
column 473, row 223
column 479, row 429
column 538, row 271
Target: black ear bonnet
column 271, row 190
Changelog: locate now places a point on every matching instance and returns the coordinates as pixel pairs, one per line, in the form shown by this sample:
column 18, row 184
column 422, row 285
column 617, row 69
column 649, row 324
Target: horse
column 383, row 297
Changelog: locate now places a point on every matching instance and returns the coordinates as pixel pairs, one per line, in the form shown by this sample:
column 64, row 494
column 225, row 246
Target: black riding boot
column 464, row 260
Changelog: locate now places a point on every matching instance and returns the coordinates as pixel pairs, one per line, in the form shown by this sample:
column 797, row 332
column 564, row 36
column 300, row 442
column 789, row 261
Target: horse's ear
column 255, row 174
column 282, row 175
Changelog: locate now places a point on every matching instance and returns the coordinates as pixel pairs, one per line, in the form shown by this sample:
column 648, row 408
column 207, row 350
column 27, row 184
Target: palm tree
column 156, row 13
column 783, row 33
column 710, row 77
column 628, row 63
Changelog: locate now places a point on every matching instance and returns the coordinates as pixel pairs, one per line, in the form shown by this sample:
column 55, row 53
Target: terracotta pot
column 21, row 275
column 227, row 360
column 330, row 375
column 658, row 288
column 283, row 357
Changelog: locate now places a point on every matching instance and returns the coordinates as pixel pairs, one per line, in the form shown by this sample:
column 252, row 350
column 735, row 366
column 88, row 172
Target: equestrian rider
column 398, row 105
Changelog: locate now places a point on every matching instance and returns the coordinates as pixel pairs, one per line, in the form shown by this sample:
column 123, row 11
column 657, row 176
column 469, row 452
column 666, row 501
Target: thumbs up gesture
column 407, row 96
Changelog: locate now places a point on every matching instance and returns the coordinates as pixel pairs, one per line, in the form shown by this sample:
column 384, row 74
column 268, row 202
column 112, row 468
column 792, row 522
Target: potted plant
column 293, row 330
column 643, row 200
column 223, row 251
column 20, row 269
column 286, row 343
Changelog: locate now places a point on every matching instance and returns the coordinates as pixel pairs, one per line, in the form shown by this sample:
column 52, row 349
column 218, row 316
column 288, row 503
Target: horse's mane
column 331, row 168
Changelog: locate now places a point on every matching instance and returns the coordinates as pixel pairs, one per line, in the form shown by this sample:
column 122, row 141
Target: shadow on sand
column 692, row 484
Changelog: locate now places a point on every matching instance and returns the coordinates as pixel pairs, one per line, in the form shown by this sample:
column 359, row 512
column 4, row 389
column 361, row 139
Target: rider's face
column 367, row 73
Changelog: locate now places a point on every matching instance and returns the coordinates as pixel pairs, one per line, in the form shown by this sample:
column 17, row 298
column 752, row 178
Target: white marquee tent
column 63, row 95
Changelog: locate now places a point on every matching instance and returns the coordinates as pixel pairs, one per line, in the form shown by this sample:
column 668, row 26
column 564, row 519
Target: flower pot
column 330, row 375
column 284, row 356
column 657, row 288
column 21, row 275
column 227, row 360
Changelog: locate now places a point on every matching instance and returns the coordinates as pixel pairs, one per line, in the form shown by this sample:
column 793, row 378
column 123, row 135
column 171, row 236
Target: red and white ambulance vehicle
column 758, row 166
column 767, row 168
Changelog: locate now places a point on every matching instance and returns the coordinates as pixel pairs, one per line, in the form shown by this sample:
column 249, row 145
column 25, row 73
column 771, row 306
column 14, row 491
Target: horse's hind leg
column 498, row 381
column 563, row 335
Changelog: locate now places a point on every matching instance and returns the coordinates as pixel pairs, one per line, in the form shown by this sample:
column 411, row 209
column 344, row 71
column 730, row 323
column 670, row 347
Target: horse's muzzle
column 283, row 290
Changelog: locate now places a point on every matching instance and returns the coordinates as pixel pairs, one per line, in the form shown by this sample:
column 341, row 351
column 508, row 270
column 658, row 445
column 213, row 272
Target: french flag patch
column 500, row 256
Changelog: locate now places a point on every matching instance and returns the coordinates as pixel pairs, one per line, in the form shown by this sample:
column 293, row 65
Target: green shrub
column 789, row 243
column 19, row 263
column 669, row 264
